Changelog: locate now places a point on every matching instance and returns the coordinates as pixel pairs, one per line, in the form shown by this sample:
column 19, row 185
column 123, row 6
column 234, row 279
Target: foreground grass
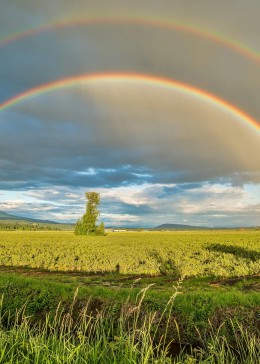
column 107, row 337
column 199, row 302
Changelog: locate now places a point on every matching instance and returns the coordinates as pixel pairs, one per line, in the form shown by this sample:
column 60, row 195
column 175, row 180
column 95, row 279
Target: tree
column 87, row 224
column 101, row 229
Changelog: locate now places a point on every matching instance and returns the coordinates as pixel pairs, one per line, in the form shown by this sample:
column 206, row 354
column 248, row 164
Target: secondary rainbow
column 131, row 77
column 250, row 53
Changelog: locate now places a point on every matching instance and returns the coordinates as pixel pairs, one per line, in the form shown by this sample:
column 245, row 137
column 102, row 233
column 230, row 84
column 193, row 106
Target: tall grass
column 132, row 335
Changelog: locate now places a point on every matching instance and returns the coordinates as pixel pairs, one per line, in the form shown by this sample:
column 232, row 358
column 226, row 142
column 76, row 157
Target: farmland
column 211, row 275
column 184, row 254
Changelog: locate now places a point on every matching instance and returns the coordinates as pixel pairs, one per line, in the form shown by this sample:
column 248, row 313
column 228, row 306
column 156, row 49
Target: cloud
column 124, row 131
column 144, row 205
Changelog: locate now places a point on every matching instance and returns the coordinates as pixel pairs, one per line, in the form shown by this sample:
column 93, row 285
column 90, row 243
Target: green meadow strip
column 132, row 337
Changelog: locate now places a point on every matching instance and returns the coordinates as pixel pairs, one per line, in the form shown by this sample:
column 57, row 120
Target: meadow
column 130, row 297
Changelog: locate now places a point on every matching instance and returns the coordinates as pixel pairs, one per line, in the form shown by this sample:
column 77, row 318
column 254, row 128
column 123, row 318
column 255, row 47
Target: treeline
column 28, row 226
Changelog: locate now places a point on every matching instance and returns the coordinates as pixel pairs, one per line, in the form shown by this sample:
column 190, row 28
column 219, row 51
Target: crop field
column 141, row 295
column 183, row 254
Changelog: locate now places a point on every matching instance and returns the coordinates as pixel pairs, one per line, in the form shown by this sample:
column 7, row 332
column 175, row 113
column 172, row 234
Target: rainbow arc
column 131, row 77
column 219, row 39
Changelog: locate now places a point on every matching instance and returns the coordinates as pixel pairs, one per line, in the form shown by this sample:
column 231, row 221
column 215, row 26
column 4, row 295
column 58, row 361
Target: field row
column 191, row 254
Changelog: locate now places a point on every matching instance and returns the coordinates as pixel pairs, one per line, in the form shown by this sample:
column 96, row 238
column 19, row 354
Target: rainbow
column 132, row 77
column 250, row 53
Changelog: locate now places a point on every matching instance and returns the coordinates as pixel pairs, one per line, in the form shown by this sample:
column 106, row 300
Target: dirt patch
column 42, row 272
column 252, row 287
column 234, row 280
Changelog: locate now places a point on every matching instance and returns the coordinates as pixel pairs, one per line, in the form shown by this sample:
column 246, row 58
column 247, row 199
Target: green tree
column 87, row 224
column 101, row 229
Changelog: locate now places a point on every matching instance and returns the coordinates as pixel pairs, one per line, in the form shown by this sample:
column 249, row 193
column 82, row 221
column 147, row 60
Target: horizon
column 154, row 107
column 143, row 226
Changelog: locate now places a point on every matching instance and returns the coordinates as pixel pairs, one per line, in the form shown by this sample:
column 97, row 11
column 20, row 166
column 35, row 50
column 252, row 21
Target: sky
column 153, row 104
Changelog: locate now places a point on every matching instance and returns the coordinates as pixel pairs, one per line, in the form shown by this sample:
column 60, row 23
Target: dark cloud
column 163, row 136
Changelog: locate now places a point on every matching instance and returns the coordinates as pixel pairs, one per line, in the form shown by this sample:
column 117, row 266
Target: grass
column 107, row 336
column 193, row 308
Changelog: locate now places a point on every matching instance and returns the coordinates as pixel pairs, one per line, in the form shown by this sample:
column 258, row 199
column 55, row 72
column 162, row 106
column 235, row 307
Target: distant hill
column 178, row 227
column 9, row 217
column 191, row 227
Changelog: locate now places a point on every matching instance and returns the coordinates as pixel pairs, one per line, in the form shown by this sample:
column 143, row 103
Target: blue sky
column 156, row 153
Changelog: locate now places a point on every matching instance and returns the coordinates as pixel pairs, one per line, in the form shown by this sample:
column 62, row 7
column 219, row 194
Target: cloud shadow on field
column 235, row 250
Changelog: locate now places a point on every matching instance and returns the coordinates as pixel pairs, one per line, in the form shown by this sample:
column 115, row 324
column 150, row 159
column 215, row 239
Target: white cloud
column 118, row 218
column 146, row 204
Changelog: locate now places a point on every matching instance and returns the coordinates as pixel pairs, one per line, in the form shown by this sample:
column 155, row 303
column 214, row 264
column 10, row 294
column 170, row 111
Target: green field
column 218, row 294
column 190, row 254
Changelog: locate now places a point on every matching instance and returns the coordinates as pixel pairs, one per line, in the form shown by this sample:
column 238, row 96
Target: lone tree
column 87, row 224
